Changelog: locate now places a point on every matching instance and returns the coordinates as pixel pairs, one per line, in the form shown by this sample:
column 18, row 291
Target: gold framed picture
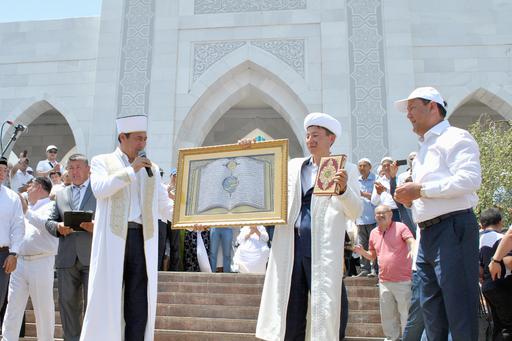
column 329, row 165
column 232, row 185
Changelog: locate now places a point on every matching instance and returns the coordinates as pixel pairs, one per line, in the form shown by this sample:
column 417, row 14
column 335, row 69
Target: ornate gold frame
column 191, row 161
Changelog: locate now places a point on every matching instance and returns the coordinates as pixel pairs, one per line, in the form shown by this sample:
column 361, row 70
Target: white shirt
column 385, row 198
column 19, row 179
column 37, row 240
column 135, row 212
column 57, row 188
column 83, row 189
column 12, row 226
column 45, row 165
column 448, row 168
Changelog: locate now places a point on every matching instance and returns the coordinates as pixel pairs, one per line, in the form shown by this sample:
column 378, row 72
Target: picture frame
column 232, row 185
column 324, row 182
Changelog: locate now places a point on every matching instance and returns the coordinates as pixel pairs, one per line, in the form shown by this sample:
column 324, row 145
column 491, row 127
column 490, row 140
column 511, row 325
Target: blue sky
column 24, row 10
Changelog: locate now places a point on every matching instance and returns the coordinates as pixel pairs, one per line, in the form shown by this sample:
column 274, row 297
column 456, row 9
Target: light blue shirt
column 368, row 215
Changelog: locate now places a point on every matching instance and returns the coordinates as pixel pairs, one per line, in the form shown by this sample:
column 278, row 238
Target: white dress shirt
column 19, row 179
column 135, row 212
column 12, row 226
column 385, row 198
column 45, row 165
column 448, row 168
column 37, row 240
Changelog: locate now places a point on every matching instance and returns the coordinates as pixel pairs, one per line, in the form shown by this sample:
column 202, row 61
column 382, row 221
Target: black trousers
column 163, row 235
column 500, row 300
column 135, row 286
column 298, row 300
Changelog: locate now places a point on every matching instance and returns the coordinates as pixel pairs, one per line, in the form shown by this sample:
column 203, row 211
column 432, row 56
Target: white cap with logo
column 427, row 92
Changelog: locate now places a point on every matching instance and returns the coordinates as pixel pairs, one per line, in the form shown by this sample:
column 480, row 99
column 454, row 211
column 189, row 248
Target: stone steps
column 180, row 335
column 200, row 306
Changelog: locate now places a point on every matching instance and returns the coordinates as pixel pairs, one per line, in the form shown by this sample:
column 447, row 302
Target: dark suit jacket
column 77, row 244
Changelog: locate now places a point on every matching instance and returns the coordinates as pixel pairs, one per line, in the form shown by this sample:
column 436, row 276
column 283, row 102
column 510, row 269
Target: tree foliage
column 495, row 141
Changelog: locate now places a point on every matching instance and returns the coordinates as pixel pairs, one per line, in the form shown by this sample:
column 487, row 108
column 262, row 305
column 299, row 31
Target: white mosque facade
column 209, row 72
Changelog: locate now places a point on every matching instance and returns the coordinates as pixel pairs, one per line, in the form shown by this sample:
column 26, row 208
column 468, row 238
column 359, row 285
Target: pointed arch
column 30, row 109
column 229, row 89
column 496, row 98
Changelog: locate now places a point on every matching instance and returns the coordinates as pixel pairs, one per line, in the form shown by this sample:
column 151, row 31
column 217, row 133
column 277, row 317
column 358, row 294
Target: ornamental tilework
column 135, row 69
column 290, row 51
column 207, row 54
column 234, row 6
column 367, row 79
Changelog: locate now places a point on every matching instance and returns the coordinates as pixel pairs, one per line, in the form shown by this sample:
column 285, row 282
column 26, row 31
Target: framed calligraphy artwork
column 232, row 185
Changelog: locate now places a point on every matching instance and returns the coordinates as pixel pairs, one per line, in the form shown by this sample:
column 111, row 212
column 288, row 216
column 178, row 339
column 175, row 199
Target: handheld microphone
column 142, row 153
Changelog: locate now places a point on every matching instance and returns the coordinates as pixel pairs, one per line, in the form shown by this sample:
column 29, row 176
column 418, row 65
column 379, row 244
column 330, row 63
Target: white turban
column 129, row 124
column 386, row 159
column 323, row 120
column 364, row 159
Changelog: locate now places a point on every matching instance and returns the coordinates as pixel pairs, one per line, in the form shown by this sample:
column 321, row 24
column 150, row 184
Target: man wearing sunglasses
column 45, row 167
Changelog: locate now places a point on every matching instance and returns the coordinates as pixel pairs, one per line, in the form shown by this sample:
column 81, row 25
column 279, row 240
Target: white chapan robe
column 110, row 181
column 329, row 216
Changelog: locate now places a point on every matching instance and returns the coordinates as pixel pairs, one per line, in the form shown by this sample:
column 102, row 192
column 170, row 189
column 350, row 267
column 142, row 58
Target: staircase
column 224, row 307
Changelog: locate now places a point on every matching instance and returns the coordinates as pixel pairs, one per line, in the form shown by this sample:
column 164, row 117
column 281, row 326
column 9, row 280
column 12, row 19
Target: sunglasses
column 52, row 151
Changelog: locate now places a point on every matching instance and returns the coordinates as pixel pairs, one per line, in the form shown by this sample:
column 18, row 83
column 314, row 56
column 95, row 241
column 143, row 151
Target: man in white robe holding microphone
column 307, row 253
column 123, row 270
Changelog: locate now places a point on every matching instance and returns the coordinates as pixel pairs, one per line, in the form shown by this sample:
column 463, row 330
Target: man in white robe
column 123, row 270
column 307, row 253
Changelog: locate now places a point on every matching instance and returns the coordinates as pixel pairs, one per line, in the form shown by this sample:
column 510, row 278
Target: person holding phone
column 20, row 176
column 34, row 274
column 44, row 167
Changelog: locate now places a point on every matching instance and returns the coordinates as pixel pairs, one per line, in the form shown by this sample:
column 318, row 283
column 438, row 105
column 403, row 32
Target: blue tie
column 76, row 197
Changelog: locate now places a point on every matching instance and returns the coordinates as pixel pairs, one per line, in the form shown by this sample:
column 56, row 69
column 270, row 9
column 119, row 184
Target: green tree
column 495, row 141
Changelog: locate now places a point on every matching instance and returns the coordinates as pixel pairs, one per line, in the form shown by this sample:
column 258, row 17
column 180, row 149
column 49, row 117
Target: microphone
column 17, row 127
column 142, row 153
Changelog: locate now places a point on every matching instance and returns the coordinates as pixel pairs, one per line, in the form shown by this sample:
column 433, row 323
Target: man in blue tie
column 307, row 253
column 72, row 261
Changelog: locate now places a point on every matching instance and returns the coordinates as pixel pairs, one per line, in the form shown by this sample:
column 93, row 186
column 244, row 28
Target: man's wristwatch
column 496, row 261
column 13, row 254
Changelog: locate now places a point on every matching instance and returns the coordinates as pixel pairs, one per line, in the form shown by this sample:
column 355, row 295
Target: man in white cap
column 45, row 167
column 123, row 272
column 445, row 177
column 366, row 221
column 307, row 253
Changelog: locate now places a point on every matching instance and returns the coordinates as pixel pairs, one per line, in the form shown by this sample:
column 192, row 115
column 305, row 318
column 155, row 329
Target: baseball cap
column 50, row 147
column 427, row 92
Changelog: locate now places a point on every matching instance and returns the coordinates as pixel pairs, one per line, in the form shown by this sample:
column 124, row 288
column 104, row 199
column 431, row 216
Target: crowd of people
column 415, row 231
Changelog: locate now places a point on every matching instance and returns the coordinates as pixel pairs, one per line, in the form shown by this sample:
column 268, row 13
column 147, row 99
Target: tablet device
column 73, row 219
